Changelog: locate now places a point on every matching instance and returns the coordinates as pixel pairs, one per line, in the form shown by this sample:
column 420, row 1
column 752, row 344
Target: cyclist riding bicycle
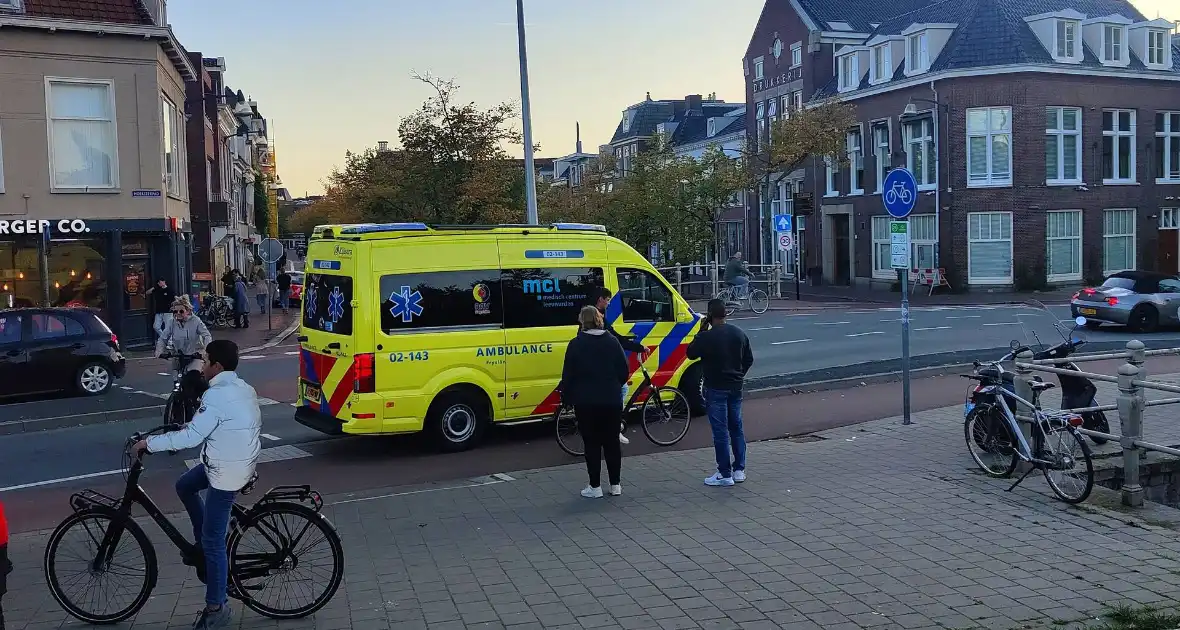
column 738, row 276
column 227, row 427
column 186, row 331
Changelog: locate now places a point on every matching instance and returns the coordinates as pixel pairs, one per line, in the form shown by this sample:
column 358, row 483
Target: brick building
column 1044, row 134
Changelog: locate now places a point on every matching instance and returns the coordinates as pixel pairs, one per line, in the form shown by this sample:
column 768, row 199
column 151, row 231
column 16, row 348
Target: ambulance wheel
column 692, row 386
column 457, row 419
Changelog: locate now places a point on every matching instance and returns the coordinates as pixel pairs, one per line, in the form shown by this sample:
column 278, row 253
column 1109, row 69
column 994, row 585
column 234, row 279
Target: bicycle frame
column 645, row 387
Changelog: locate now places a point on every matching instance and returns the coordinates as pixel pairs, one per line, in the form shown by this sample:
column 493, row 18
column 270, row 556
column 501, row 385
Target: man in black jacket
column 161, row 296
column 724, row 351
column 629, row 344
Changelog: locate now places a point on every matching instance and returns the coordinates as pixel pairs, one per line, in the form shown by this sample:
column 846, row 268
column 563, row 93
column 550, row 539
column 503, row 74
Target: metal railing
column 705, row 280
column 1132, row 400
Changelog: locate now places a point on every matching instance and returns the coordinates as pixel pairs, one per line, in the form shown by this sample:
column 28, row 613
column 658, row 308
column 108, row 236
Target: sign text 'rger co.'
column 41, row 226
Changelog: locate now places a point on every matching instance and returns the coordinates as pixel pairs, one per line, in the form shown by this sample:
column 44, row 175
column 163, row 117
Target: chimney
column 158, row 9
column 692, row 104
column 382, row 145
column 578, row 137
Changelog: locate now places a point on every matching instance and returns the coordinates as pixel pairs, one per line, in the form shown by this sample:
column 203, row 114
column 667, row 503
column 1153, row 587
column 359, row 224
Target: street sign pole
column 899, row 197
column 798, row 257
column 270, row 251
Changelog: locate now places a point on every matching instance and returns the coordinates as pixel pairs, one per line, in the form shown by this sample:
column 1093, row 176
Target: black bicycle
column 217, row 311
column 182, row 402
column 271, row 548
column 665, row 411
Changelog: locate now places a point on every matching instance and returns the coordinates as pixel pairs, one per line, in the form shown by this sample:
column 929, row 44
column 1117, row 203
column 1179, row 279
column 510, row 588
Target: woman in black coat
column 592, row 382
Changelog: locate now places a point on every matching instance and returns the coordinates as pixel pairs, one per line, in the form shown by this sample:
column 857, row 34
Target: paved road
column 875, row 527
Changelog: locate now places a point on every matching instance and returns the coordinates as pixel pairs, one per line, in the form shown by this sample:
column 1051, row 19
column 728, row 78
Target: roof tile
column 113, row 11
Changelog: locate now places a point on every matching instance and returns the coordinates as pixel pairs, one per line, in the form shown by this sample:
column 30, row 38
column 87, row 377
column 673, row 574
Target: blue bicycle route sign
column 900, row 193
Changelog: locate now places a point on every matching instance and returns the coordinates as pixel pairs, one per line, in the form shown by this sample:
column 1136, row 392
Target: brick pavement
column 874, row 526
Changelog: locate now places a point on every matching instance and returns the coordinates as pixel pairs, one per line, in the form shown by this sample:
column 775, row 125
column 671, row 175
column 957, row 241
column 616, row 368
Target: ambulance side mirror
column 683, row 312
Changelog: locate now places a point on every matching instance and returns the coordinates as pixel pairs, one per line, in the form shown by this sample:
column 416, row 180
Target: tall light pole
column 530, row 174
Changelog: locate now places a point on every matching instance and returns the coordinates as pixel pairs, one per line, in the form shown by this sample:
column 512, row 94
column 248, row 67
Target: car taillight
column 114, row 340
column 1112, row 301
column 1089, row 291
column 364, row 369
column 1075, row 295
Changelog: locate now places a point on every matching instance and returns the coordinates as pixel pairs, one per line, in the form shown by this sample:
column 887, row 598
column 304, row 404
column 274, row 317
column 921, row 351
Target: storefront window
column 77, row 274
column 135, row 286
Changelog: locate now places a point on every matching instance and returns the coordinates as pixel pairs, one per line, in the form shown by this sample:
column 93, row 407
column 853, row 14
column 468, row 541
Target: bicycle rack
column 86, row 499
column 296, row 494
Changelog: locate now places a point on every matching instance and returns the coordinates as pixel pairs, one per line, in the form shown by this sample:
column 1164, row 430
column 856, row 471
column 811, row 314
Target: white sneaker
column 592, row 493
column 739, row 476
column 623, row 439
column 615, row 490
column 717, row 480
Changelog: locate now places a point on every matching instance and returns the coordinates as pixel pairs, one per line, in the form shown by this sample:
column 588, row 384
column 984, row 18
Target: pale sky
column 335, row 76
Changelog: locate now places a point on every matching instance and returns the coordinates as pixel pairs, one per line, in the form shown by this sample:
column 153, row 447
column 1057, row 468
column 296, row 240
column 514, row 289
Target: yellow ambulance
column 408, row 327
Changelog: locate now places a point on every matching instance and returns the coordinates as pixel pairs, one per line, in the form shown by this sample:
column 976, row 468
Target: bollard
column 679, row 281
column 1023, row 388
column 713, row 279
column 1138, row 357
column 1130, row 404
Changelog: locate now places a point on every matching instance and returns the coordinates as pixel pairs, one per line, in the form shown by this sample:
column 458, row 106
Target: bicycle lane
column 869, row 526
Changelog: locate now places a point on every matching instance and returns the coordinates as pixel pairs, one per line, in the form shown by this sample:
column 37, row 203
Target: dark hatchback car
column 57, row 349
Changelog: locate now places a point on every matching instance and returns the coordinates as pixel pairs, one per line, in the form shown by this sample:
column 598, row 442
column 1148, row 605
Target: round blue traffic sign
column 900, row 193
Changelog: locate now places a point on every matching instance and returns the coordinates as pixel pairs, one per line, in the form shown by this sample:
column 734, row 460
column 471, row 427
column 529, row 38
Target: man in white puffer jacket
column 227, row 427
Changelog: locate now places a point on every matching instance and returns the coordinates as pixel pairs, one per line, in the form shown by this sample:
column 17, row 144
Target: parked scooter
column 1077, row 392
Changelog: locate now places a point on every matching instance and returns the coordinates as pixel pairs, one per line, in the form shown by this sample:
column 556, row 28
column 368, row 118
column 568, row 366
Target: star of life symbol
column 406, row 304
column 336, row 304
column 311, row 301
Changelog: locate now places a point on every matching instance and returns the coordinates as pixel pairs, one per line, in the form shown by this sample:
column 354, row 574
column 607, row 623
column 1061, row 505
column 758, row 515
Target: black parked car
column 56, row 349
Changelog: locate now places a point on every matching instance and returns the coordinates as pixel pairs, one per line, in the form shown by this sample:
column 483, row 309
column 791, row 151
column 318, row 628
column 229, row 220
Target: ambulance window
column 327, row 303
column 644, row 297
column 537, row 298
column 441, row 299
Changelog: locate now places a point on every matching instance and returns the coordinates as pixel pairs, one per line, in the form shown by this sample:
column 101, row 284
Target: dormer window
column 1157, row 47
column 918, row 58
column 1113, row 45
column 1067, row 40
column 881, row 69
column 849, row 72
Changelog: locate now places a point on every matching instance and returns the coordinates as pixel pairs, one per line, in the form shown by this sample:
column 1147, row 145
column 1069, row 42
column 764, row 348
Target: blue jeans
column 285, row 299
column 741, row 286
column 210, row 522
column 725, row 417
column 261, row 297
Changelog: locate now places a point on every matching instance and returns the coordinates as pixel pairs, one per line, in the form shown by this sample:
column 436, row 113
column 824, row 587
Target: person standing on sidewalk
column 592, row 381
column 627, row 343
column 161, row 296
column 724, row 351
column 241, row 303
column 284, row 282
column 261, row 289
column 5, row 564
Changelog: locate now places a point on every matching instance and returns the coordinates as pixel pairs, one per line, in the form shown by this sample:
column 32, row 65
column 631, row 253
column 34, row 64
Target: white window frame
column 926, row 140
column 1118, row 139
column 881, row 166
column 168, row 117
column 1060, row 133
column 797, row 99
column 1107, row 237
column 1066, row 44
column 881, row 256
column 884, row 54
column 856, row 159
column 917, row 239
column 1164, row 48
column 1011, row 238
column 759, row 68
column 12, row 5
column 831, row 178
column 1165, row 137
column 1169, row 218
column 1074, row 215
column 848, row 71
column 109, row 84
column 990, row 179
column 796, row 54
column 922, row 62
column 760, row 124
column 1114, row 52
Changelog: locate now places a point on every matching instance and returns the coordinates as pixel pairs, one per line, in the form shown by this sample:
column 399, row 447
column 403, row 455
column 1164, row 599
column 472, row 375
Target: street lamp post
column 530, row 175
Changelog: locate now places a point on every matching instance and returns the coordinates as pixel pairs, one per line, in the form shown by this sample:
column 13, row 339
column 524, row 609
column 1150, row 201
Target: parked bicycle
column 182, row 402
column 665, row 416
column 111, row 578
column 217, row 311
column 755, row 299
column 997, row 443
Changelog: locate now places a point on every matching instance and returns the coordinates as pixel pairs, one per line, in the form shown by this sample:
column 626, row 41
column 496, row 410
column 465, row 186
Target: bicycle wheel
column 666, row 414
column 990, row 441
column 568, row 436
column 270, row 555
column 1064, row 448
column 69, row 566
column 759, row 301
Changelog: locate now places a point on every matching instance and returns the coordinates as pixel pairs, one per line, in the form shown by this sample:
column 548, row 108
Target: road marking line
column 253, row 356
column 875, row 332
column 734, row 319
column 291, row 353
column 163, row 374
column 263, row 401
column 273, row 454
column 270, row 437
column 801, row 315
column 124, row 387
column 504, row 477
column 765, row 328
column 933, row 328
column 49, row 482
column 781, row 343
column 831, row 323
column 1003, row 324
column 963, row 316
